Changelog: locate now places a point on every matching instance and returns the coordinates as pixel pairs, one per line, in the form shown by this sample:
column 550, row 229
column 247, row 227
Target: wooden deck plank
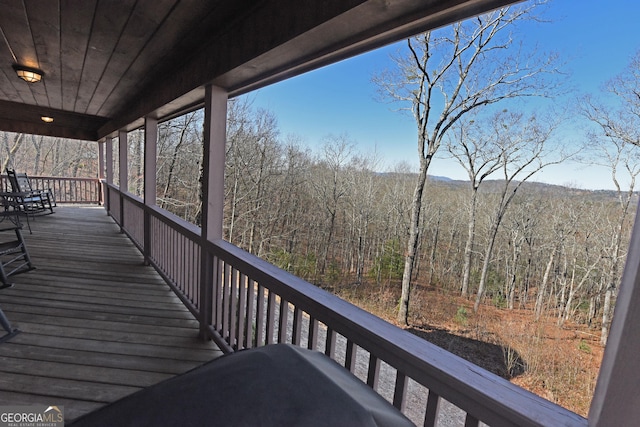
column 130, row 319
column 45, row 304
column 100, row 325
column 73, row 371
column 52, row 295
column 65, row 388
column 92, row 358
column 197, row 356
column 96, row 323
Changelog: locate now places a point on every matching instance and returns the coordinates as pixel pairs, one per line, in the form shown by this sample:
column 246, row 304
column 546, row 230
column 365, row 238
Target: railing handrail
column 63, row 178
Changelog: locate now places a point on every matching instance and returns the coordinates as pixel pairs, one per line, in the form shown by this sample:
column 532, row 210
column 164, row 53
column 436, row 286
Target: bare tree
column 179, row 156
column 524, row 149
column 331, row 185
column 450, row 73
column 478, row 154
column 616, row 143
column 11, row 144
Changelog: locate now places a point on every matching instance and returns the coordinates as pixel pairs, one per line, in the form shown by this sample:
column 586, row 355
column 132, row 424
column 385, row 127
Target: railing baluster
column 373, row 374
column 312, row 341
column 195, row 267
column 233, row 308
column 471, row 421
column 296, row 333
column 186, row 266
column 330, row 349
column 350, row 356
column 433, row 406
column 400, row 391
column 219, row 287
column 283, row 322
column 225, row 302
column 250, row 331
column 260, row 315
column 271, row 316
column 242, row 311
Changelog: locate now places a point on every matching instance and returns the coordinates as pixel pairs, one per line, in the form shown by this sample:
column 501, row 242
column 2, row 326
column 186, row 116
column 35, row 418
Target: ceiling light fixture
column 28, row 74
column 47, row 119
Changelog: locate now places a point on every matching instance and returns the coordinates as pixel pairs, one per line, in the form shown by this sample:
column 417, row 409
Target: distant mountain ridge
column 490, row 186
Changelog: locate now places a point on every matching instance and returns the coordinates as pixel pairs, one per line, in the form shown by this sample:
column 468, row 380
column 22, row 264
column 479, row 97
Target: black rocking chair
column 33, row 200
column 14, row 256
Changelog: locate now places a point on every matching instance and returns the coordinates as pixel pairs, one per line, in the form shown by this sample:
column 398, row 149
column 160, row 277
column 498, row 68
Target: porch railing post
column 108, row 172
column 213, row 161
column 101, row 160
column 150, row 148
column 123, row 172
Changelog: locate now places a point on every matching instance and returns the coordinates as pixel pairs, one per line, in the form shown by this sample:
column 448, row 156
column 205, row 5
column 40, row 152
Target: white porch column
column 150, row 159
column 123, row 173
column 150, row 149
column 109, row 159
column 101, row 159
column 107, row 170
column 215, row 137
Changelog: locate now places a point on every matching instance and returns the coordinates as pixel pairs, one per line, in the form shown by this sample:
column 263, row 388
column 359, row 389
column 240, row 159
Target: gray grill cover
column 278, row 385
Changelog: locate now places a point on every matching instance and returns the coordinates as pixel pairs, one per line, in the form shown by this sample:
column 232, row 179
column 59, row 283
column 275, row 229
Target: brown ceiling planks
column 173, row 41
column 109, row 22
column 15, row 26
column 76, row 19
column 44, row 22
column 140, row 29
column 8, row 77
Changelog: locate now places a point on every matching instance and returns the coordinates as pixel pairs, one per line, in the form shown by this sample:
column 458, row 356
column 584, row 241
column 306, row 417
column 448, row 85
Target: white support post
column 108, row 171
column 616, row 401
column 215, row 136
column 101, row 159
column 150, row 149
column 101, row 147
column 123, row 173
column 109, row 160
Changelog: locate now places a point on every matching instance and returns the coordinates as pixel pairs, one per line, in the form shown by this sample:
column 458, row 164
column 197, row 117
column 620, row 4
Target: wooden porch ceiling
column 107, row 63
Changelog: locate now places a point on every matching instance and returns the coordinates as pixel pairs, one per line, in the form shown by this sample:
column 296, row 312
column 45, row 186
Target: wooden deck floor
column 96, row 324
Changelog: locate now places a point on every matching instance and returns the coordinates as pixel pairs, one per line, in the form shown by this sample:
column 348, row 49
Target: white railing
column 242, row 301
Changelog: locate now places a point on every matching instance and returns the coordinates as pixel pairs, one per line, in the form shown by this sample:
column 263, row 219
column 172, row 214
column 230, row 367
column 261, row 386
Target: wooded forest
column 332, row 218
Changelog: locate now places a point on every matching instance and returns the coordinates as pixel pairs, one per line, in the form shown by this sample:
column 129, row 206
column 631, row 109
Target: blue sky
column 596, row 39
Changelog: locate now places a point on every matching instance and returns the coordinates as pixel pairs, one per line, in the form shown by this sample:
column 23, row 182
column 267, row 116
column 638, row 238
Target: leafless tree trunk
column 618, row 142
column 479, row 155
column 11, row 147
column 523, row 143
column 448, row 74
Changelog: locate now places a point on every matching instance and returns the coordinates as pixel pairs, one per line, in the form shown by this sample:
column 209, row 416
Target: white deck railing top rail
column 243, row 301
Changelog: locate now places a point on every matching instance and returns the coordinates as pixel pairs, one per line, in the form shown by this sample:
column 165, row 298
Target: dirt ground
column 560, row 364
